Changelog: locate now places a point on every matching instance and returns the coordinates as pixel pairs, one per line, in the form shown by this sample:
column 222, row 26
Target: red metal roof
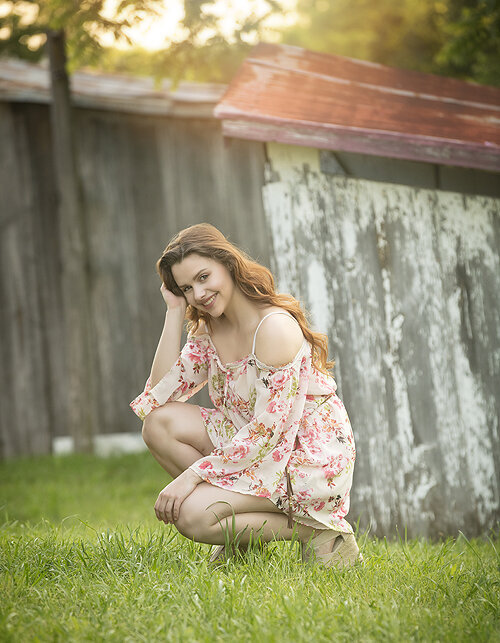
column 291, row 95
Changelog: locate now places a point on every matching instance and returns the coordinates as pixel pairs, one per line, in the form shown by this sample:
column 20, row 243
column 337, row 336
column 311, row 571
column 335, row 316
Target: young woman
column 274, row 459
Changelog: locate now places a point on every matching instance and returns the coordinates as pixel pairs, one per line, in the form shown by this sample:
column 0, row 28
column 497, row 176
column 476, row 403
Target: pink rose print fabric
column 265, row 418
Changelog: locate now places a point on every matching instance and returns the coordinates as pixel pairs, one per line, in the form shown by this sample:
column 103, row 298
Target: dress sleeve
column 254, row 461
column 186, row 377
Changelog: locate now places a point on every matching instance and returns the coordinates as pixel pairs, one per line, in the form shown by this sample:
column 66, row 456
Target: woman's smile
column 208, row 303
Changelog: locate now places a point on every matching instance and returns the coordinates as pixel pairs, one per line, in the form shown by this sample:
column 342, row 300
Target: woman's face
column 206, row 283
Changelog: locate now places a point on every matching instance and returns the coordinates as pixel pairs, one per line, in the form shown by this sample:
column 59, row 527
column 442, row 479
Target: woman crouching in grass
column 274, row 459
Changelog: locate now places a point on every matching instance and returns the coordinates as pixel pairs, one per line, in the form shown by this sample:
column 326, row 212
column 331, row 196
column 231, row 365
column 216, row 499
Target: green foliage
column 403, row 33
column 17, row 36
column 472, row 49
column 122, row 576
column 25, row 25
column 215, row 61
column 205, row 52
column 452, row 37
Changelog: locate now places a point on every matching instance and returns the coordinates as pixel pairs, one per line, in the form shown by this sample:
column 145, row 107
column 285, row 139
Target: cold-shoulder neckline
column 245, row 359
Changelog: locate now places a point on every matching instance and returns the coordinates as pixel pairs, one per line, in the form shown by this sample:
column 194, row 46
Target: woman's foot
column 217, row 554
column 332, row 549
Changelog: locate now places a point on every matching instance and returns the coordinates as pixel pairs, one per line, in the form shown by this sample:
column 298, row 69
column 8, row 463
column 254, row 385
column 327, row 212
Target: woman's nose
column 199, row 292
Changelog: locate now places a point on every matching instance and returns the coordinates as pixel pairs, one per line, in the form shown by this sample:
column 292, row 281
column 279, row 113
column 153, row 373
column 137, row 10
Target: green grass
column 82, row 558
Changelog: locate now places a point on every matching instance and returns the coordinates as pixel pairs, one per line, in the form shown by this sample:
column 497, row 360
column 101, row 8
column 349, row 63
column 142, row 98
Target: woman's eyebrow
column 195, row 277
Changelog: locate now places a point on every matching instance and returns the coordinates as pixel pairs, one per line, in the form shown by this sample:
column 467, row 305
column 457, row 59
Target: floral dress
column 267, row 422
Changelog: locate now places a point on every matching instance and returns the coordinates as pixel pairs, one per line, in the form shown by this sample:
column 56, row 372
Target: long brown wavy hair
column 255, row 281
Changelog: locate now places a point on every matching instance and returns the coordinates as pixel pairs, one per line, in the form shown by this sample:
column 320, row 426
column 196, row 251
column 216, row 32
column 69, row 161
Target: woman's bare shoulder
column 279, row 339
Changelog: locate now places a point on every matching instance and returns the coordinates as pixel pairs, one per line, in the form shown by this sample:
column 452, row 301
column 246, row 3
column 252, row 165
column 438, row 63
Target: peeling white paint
column 350, row 242
column 282, row 231
column 380, row 267
column 317, row 287
column 472, row 441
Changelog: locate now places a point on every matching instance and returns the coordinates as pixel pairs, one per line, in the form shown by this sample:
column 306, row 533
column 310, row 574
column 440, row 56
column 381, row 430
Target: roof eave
column 24, row 82
column 482, row 156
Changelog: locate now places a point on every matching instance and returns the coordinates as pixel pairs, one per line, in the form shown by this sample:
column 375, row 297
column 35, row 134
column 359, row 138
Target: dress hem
column 319, row 525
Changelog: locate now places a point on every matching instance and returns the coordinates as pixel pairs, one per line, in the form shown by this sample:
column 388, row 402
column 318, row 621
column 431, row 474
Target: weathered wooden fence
column 406, row 282
column 143, row 178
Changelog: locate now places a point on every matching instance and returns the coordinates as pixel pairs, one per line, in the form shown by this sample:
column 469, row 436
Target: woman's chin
column 215, row 310
column 215, row 313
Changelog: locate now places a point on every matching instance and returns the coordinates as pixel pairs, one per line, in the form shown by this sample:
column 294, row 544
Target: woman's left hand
column 170, row 498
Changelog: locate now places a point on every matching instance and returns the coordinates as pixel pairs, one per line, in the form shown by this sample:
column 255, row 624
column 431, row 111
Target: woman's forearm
column 168, row 348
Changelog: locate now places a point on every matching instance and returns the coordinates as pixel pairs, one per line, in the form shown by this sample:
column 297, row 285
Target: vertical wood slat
column 25, row 409
column 48, row 268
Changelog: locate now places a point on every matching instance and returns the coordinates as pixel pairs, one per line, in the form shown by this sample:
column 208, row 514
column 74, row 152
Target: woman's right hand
column 173, row 301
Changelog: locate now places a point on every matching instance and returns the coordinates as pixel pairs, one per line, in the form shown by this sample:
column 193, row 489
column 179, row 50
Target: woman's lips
column 210, row 301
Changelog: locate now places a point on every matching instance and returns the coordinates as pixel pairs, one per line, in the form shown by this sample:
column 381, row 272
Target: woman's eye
column 203, row 277
column 186, row 288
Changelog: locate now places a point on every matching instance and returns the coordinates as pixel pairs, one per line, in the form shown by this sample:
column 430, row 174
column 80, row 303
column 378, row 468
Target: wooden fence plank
column 25, row 413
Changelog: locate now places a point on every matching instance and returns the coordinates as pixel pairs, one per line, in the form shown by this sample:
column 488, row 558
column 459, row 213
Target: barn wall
column 30, row 311
column 143, row 178
column 405, row 281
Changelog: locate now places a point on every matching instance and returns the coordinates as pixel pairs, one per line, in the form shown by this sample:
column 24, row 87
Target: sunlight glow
column 26, row 10
column 156, row 33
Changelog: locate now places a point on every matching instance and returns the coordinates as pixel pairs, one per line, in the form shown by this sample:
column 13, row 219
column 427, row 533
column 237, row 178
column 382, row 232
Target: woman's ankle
column 308, row 536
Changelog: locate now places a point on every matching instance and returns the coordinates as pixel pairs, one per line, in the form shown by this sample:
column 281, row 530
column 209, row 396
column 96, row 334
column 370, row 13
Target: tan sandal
column 344, row 552
column 218, row 554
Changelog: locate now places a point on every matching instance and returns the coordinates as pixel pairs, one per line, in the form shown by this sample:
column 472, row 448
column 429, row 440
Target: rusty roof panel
column 288, row 94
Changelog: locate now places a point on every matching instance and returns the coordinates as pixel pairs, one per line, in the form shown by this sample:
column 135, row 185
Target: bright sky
column 155, row 33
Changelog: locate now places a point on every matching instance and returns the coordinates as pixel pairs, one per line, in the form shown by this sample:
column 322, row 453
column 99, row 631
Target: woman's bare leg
column 210, row 511
column 176, row 436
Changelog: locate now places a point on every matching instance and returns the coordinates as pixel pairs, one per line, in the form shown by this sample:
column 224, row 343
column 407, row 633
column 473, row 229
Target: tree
column 472, row 48
column 452, row 37
column 404, row 33
column 25, row 26
column 205, row 50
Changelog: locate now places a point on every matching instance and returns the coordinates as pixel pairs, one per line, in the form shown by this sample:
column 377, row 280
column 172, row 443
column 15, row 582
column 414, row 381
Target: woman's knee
column 176, row 421
column 195, row 520
column 190, row 523
column 157, row 425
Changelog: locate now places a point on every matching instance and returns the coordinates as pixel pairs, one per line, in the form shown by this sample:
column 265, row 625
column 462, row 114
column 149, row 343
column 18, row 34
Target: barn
column 372, row 193
column 382, row 198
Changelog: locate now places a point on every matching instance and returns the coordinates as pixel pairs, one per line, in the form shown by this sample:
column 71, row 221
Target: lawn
column 82, row 558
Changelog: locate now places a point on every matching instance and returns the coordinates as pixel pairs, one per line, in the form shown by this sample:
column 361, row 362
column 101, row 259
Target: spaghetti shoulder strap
column 274, row 312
